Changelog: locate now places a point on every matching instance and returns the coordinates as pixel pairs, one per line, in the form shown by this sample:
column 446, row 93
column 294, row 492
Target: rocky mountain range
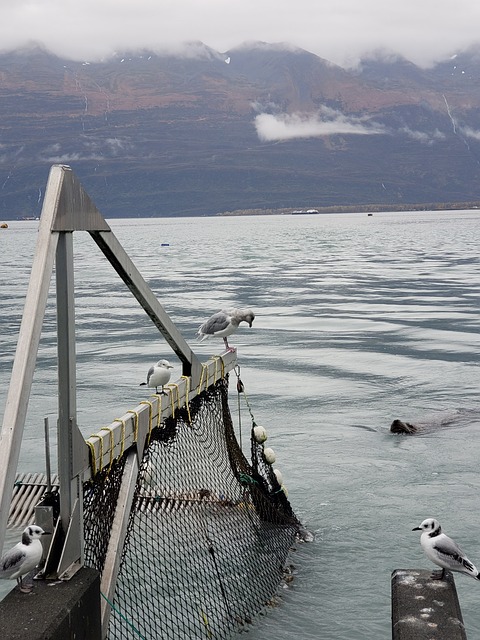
column 259, row 127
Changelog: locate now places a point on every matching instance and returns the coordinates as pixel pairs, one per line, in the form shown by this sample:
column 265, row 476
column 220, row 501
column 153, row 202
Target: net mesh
column 208, row 535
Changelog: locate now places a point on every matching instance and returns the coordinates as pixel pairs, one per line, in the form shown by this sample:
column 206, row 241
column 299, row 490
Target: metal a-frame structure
column 67, row 208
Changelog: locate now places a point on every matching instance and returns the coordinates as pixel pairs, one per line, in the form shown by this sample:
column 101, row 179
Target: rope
column 150, row 417
column 122, row 440
column 171, row 387
column 246, row 479
column 205, row 378
column 112, row 446
column 222, row 369
column 187, row 397
column 92, row 451
column 211, row 551
column 199, row 388
column 246, row 399
column 159, row 397
column 135, row 424
column 206, row 623
column 130, row 624
column 240, row 388
column 111, row 449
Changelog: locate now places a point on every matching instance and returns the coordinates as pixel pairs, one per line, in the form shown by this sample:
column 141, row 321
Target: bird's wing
column 12, row 560
column 447, row 547
column 454, row 557
column 218, row 322
column 150, row 373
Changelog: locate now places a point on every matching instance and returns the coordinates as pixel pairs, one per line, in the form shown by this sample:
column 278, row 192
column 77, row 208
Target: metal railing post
column 67, row 401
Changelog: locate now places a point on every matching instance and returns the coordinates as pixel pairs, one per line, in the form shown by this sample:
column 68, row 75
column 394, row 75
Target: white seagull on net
column 158, row 375
column 23, row 557
column 224, row 323
column 442, row 550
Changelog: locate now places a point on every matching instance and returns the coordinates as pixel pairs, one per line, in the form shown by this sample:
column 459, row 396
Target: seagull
column 443, row 551
column 224, row 323
column 158, row 375
column 23, row 557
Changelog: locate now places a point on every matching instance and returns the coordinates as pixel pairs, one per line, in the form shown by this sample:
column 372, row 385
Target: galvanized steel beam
column 27, row 348
column 117, row 537
column 129, row 273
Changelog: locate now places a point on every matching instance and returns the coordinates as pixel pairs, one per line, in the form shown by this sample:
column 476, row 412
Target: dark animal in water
column 398, row 426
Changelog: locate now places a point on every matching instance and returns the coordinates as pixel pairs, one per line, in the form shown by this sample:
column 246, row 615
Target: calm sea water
column 360, row 320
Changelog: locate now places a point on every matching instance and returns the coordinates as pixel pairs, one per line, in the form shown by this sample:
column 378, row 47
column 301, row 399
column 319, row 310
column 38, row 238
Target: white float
column 269, row 455
column 260, row 434
column 278, row 475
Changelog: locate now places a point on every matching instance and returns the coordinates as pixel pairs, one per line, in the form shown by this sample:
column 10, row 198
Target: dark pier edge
column 54, row 610
column 425, row 609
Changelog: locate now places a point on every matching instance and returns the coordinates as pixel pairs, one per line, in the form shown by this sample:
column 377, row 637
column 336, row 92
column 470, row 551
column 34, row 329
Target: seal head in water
column 398, row 426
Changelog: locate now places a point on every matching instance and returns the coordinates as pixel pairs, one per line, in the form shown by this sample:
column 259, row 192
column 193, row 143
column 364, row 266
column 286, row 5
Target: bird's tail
column 470, row 569
column 202, row 336
column 143, row 384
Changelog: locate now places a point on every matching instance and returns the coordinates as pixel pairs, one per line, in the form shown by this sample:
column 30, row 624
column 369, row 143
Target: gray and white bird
column 23, row 557
column 442, row 550
column 224, row 323
column 158, row 375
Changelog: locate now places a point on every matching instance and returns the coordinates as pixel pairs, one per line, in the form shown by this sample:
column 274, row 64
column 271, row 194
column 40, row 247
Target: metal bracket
column 72, row 549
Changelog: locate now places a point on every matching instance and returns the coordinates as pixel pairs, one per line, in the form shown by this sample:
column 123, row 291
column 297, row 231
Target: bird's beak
column 417, row 529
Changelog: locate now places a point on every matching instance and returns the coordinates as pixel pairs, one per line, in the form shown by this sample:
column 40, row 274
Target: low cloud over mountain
column 325, row 122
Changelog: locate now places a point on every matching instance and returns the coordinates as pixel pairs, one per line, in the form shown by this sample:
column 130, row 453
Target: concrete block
column 54, row 610
column 425, row 609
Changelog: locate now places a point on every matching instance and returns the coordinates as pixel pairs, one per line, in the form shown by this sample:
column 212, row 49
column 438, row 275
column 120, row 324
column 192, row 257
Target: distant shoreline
column 358, row 208
column 353, row 208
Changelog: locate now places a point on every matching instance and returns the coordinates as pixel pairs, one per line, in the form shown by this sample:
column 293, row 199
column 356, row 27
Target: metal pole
column 67, row 404
column 26, row 354
column 47, row 455
column 125, row 268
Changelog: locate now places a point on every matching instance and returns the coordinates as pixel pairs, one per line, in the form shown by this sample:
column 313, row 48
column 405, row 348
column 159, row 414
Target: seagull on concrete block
column 23, row 557
column 158, row 375
column 224, row 323
column 442, row 550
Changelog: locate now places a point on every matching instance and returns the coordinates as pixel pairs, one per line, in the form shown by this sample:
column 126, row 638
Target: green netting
column 208, row 535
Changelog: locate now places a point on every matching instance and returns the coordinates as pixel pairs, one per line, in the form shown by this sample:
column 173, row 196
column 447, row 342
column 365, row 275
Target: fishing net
column 208, row 535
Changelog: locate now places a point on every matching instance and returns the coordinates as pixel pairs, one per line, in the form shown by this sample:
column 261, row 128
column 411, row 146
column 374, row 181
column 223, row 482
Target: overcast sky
column 339, row 30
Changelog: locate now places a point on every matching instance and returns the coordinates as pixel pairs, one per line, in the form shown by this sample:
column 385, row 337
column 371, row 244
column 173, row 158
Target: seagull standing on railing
column 158, row 375
column 224, row 323
column 443, row 551
column 23, row 557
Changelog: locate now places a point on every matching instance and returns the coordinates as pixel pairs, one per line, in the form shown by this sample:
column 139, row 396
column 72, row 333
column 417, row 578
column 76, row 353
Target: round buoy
column 278, row 475
column 260, row 434
column 269, row 455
